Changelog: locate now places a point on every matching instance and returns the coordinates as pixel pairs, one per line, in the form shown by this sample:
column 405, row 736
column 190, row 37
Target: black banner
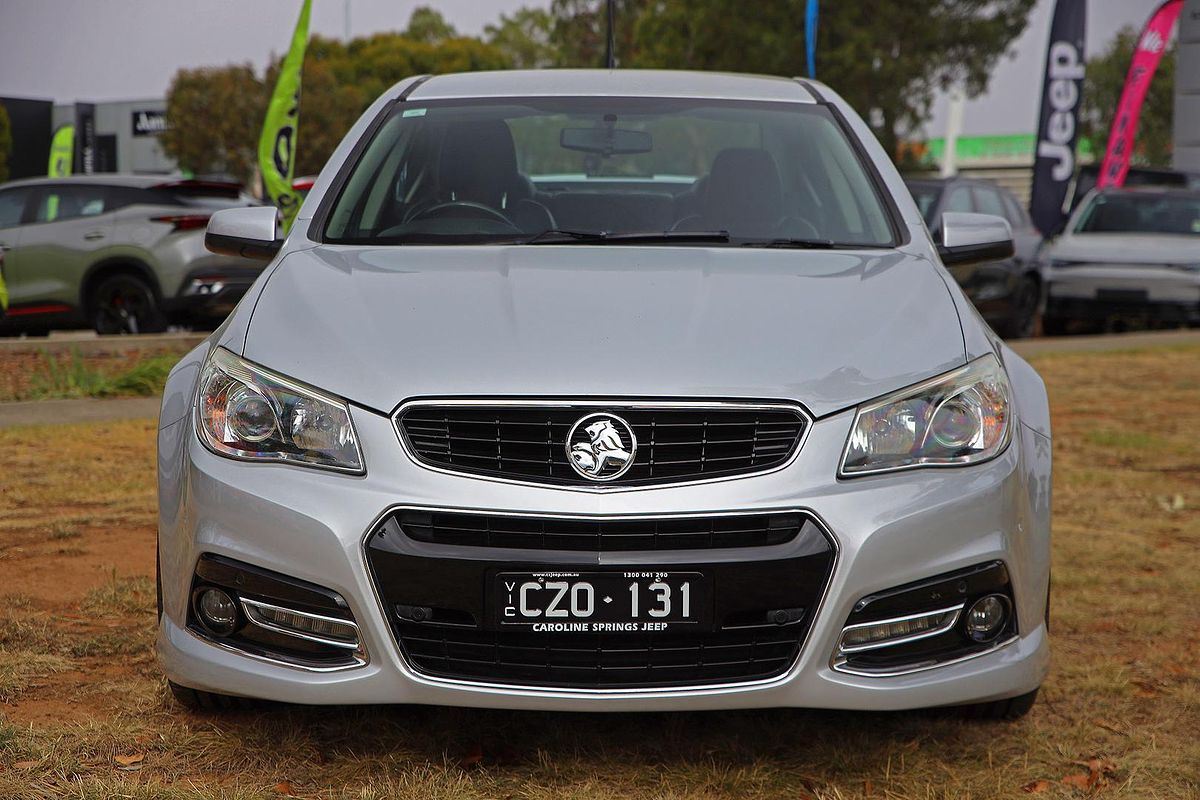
column 1058, row 124
column 85, row 138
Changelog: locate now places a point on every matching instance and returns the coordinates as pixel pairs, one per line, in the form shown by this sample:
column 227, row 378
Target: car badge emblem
column 601, row 447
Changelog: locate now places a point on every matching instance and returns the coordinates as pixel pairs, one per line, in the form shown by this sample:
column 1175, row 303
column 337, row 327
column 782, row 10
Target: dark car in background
column 117, row 253
column 1127, row 258
column 1007, row 293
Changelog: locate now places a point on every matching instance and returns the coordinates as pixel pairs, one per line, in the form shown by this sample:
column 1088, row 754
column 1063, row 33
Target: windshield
column 597, row 170
column 926, row 195
column 1142, row 213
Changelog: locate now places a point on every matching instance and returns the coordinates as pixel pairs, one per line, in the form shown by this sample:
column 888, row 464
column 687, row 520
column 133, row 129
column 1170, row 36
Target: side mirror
column 248, row 232
column 971, row 238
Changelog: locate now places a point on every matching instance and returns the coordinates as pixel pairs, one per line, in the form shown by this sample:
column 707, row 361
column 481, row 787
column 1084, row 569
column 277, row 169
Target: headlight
column 250, row 413
column 959, row 418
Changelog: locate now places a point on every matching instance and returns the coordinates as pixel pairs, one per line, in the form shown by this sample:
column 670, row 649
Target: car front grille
column 675, row 442
column 441, row 604
column 599, row 535
column 600, row 660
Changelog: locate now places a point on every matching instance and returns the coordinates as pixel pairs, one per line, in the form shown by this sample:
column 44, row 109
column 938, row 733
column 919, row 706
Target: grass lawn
column 84, row 711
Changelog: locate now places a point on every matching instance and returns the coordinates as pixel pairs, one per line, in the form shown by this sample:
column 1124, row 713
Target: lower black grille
column 445, row 612
column 601, row 660
column 604, row 535
column 673, row 443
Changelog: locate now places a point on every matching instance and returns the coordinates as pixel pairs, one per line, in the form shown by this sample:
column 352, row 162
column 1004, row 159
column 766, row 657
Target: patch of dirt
column 63, row 572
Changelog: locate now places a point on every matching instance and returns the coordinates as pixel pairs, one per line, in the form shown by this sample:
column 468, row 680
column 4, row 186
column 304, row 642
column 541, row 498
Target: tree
column 428, row 26
column 580, row 31
column 1102, row 86
column 5, row 142
column 214, row 117
column 525, row 39
column 886, row 60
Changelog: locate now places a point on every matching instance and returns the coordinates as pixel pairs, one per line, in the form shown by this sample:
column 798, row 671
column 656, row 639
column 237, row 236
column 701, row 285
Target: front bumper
column 1100, row 292
column 210, row 291
column 888, row 530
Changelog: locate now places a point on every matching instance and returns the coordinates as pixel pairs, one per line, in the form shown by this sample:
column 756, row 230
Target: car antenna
column 610, row 55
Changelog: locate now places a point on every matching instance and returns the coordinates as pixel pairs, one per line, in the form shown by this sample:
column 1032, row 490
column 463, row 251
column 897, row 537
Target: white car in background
column 1126, row 256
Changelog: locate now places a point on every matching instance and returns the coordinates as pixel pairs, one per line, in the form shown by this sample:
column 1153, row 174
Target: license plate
column 634, row 601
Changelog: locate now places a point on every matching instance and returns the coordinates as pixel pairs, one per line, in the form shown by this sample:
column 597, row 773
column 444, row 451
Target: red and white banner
column 1146, row 56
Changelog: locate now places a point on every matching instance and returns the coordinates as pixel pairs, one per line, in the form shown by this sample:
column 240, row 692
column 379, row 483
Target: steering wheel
column 462, row 209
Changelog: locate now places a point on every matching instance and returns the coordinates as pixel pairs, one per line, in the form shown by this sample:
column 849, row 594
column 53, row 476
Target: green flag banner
column 62, row 152
column 277, row 145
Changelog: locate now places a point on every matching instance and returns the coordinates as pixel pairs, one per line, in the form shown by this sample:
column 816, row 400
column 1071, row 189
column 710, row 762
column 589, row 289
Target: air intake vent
column 674, row 443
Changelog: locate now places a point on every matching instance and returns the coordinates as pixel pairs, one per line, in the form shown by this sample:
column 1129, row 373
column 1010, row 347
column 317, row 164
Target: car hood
column 1127, row 248
column 382, row 325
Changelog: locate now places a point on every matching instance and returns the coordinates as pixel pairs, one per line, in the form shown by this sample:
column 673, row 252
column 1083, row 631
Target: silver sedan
column 591, row 390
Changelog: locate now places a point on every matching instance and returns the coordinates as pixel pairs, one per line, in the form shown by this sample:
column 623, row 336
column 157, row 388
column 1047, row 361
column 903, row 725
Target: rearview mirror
column 606, row 141
column 248, row 232
column 971, row 238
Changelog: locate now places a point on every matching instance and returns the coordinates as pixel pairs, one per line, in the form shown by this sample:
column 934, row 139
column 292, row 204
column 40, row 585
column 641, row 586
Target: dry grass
column 81, row 687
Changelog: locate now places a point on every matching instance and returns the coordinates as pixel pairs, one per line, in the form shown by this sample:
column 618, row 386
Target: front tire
column 211, row 702
column 1022, row 322
column 126, row 303
column 1010, row 708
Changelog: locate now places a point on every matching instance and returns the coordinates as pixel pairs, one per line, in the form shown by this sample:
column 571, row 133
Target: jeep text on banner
column 277, row 145
column 1058, row 124
column 1146, row 56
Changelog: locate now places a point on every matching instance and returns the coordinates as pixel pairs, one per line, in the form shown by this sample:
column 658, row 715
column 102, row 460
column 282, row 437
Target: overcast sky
column 129, row 49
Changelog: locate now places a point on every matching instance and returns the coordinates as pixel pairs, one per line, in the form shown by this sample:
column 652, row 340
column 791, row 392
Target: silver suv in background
column 1127, row 256
column 118, row 253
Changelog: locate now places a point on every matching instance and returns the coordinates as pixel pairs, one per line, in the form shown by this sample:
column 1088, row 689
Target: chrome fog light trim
column 897, row 630
column 303, row 625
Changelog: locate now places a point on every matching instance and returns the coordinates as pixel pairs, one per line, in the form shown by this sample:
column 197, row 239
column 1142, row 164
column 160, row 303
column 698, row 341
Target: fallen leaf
column 1172, row 504
column 129, row 761
column 25, row 764
column 284, row 787
column 473, row 756
column 1078, row 780
column 1036, row 787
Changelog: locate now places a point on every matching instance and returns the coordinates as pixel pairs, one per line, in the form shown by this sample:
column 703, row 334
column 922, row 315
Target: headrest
column 744, row 193
column 479, row 163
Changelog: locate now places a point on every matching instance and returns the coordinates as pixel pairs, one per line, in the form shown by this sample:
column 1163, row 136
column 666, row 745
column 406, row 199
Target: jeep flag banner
column 62, row 152
column 277, row 145
column 1147, row 54
column 1058, row 124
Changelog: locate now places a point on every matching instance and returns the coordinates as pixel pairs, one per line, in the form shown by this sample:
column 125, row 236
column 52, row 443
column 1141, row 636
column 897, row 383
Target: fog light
column 217, row 611
column 987, row 617
column 869, row 635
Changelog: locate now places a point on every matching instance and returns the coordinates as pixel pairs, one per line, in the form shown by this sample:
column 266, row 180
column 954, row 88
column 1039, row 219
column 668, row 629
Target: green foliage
column 525, row 39
column 5, row 142
column 73, row 377
column 1102, row 87
column 887, row 62
column 581, row 28
column 214, row 117
column 428, row 26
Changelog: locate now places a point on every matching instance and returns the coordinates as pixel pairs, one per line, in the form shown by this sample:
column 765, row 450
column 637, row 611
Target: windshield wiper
column 561, row 236
column 799, row 244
